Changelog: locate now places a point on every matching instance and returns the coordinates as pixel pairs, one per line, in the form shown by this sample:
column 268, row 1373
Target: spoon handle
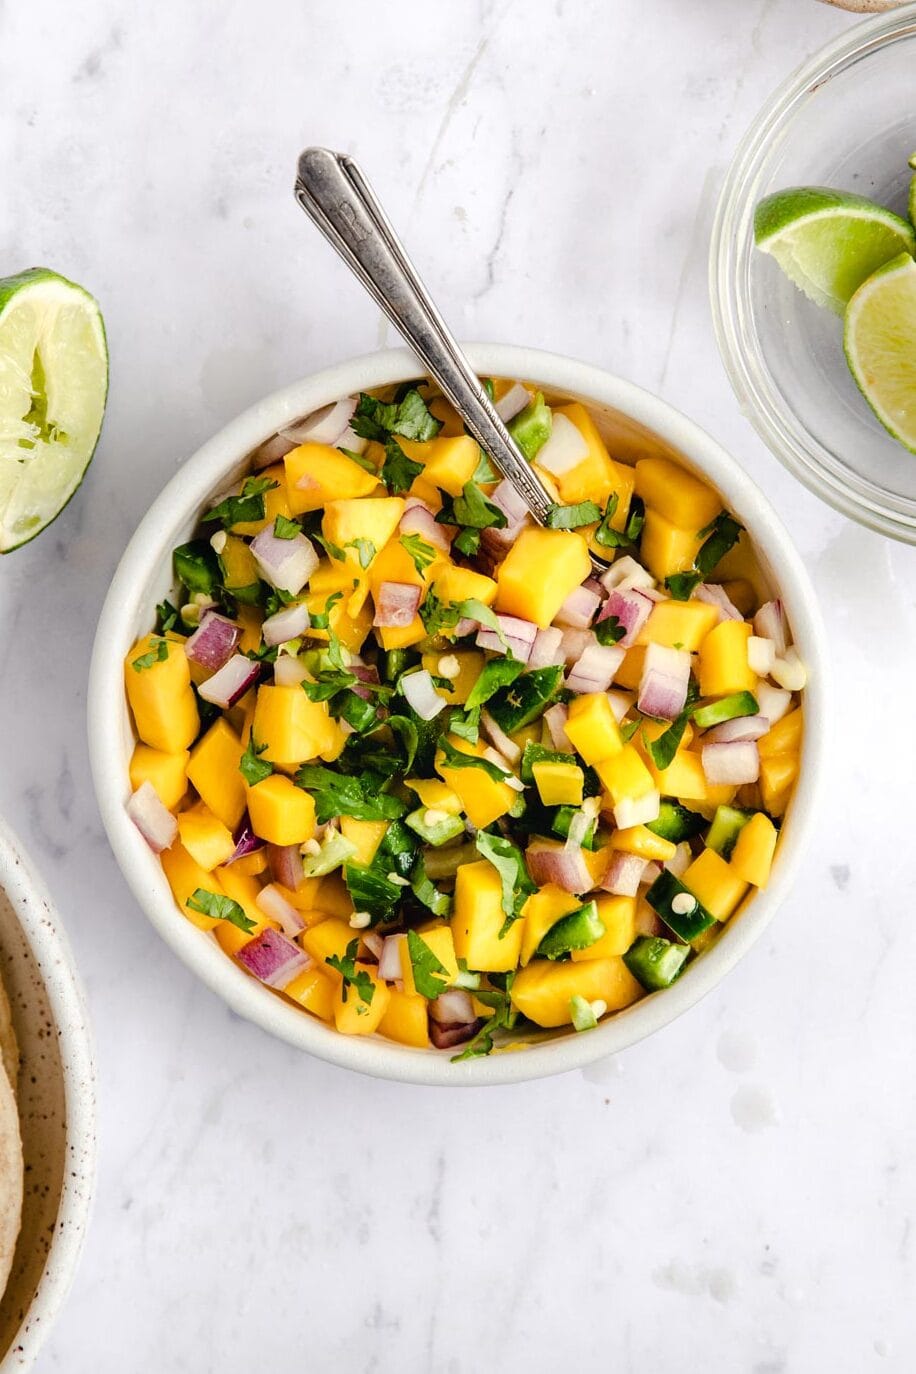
column 334, row 194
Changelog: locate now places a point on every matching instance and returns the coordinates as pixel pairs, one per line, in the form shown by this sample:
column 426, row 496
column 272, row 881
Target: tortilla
column 9, row 1046
column 11, row 1178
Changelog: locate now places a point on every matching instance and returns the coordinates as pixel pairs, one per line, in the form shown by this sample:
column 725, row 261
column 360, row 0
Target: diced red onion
column 452, row 1007
column 286, row 564
column 366, row 673
column 631, row 608
column 637, row 810
column 625, row 573
column 214, row 641
column 680, row 860
column 373, row 942
column 246, row 841
column 289, row 671
column 155, row 822
column 285, row 862
column 620, row 703
column 497, row 737
column 270, row 452
column 623, row 874
column 664, row 681
column 579, row 608
column 290, row 623
column 714, row 595
column 648, row 922
column 595, row 669
column 272, row 902
column 651, row 871
column 770, row 623
column 420, row 692
column 555, row 718
column 512, row 403
column 574, row 644
column 565, row 449
column 761, row 655
column 231, row 683
column 564, row 867
column 389, row 961
column 519, row 635
column 396, row 605
column 731, row 764
column 324, row 426
column 774, row 702
column 419, row 519
column 447, row 1037
column 547, row 649
column 273, row 958
column 740, row 728
column 512, row 504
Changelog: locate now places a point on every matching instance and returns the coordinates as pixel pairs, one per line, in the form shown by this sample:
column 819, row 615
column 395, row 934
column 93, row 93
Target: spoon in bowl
column 335, row 195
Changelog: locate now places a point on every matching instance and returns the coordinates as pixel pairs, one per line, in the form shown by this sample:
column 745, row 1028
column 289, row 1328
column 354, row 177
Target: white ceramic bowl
column 636, row 423
column 56, row 1107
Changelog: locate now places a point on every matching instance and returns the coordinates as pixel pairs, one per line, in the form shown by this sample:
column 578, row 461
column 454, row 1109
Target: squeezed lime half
column 880, row 343
column 829, row 242
column 53, row 386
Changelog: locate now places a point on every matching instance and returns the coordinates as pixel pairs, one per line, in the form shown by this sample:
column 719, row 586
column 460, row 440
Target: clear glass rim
column 798, row 450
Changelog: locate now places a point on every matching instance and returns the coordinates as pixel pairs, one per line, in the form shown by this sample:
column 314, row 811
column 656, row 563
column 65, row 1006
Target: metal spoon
column 336, row 196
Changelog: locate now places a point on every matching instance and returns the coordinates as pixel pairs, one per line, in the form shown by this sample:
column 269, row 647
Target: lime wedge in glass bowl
column 53, row 386
column 828, row 242
column 880, row 342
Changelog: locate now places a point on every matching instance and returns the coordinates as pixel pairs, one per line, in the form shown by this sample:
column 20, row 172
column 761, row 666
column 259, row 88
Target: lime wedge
column 880, row 343
column 53, row 385
column 829, row 242
column 911, row 208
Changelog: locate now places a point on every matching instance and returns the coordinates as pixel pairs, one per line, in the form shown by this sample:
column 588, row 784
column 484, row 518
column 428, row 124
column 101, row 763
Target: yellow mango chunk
column 252, row 864
column 478, row 918
column 666, row 549
column 541, row 912
column 679, row 624
column 313, row 991
column 244, row 889
column 597, row 476
column 714, row 883
column 353, row 1015
column 624, row 775
column 240, row 572
column 683, row 778
column 559, row 784
column 327, row 939
column 251, row 619
column 449, row 462
column 439, row 940
column 167, row 773
column 629, row 674
column 777, row 775
column 676, row 494
column 405, row 1019
column 543, row 991
column 291, row 728
column 447, row 416
column 482, row 799
column 375, row 519
column 214, row 771
column 204, row 836
column 334, row 896
column 618, row 916
column 230, row 939
column 459, row 584
column 470, row 666
column 350, row 617
column 185, row 876
column 592, row 728
column 280, row 812
column 160, row 696
column 638, row 839
column 366, row 835
column 436, row 795
column 784, row 737
column 326, row 475
column 723, row 665
column 752, row 856
column 539, row 572
column 276, row 502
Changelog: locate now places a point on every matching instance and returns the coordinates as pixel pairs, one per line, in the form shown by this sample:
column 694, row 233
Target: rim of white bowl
column 48, row 941
column 125, row 608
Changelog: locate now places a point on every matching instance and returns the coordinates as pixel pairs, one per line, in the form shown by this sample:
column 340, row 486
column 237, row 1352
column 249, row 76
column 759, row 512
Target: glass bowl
column 846, row 119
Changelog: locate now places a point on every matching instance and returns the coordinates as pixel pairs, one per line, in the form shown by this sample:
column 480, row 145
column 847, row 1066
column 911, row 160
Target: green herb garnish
column 247, row 505
column 410, row 417
column 341, row 794
column 509, row 863
column 573, row 517
column 454, row 758
column 426, row 967
column 398, row 471
column 253, row 768
column 221, row 907
column 421, row 553
column 166, row 617
column 351, row 975
column 286, row 529
column 158, row 654
column 609, row 630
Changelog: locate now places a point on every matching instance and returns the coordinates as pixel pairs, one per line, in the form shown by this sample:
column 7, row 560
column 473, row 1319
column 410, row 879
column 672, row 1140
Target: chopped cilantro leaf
column 509, row 863
column 364, row 548
column 398, row 471
column 331, row 549
column 666, row 746
column 421, row 553
column 484, row 473
column 158, row 654
column 352, row 976
column 609, row 630
column 573, row 517
column 498, row 672
column 605, row 535
column 472, row 508
column 285, row 529
column 247, row 505
column 166, row 616
column 410, row 417
column 723, row 534
column 339, row 794
column 221, row 908
column 253, row 768
column 360, row 458
column 681, row 585
column 426, row 967
column 454, row 758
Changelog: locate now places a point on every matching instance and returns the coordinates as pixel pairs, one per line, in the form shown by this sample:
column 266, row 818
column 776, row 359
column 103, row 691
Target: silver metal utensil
column 336, row 196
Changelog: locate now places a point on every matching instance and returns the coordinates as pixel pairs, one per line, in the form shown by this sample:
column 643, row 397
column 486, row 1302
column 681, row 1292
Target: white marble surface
column 736, row 1194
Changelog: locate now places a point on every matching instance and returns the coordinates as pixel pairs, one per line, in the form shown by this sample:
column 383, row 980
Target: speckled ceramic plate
column 56, row 1106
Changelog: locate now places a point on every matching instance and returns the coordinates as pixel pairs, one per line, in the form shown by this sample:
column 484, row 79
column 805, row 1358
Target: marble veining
column 741, row 1187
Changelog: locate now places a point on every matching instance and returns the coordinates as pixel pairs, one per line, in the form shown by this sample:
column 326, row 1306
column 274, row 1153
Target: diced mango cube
column 449, row 462
column 313, row 991
column 366, row 835
column 167, row 773
column 439, row 940
column 591, row 727
column 334, row 896
column 752, row 856
column 618, row 916
column 715, row 884
column 160, row 696
column 436, row 795
column 460, row 584
column 326, row 940
column 777, row 775
column 317, row 474
column 676, row 494
column 353, row 1015
column 276, row 502
column 289, row 728
column 374, row 519
column 470, row 666
column 482, row 798
column 784, row 737
column 624, row 775
column 597, row 476
column 541, row 911
column 638, row 839
column 723, row 665
column 559, row 784
column 214, row 771
column 240, row 571
column 679, row 624
column 666, row 549
column 544, row 990
column 629, row 674
column 478, row 919
column 252, row 864
column 280, row 812
column 204, row 836
column 251, row 619
column 406, row 1019
column 540, row 571
column 683, row 778
column 185, row 876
